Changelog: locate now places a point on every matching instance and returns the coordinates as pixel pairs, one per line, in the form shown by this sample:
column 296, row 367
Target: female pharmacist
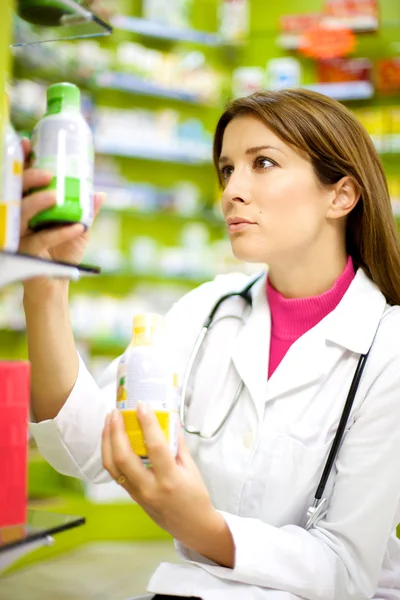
column 303, row 190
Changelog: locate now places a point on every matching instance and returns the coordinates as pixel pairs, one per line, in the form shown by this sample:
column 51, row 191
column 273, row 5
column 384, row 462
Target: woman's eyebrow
column 256, row 149
column 249, row 151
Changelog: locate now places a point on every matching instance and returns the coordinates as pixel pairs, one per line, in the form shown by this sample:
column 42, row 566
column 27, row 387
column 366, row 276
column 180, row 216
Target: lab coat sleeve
column 341, row 557
column 71, row 442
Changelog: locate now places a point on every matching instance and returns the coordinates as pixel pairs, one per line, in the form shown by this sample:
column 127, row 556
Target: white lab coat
column 263, row 467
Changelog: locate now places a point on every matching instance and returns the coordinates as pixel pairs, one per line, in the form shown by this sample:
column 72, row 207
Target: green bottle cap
column 63, row 96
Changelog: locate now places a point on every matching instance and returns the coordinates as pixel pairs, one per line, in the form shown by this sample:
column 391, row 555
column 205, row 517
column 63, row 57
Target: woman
column 303, row 191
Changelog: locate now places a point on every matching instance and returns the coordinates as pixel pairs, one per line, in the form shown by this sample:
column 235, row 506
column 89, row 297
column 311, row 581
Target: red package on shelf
column 14, row 402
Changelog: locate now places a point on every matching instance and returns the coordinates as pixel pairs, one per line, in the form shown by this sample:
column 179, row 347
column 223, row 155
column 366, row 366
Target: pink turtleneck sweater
column 292, row 317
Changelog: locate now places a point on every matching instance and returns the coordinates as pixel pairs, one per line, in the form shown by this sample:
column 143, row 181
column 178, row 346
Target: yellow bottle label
column 17, row 168
column 122, row 392
column 3, row 225
column 135, row 433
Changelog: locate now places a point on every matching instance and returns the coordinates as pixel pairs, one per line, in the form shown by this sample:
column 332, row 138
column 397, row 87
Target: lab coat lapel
column 304, row 363
column 301, row 365
column 250, row 354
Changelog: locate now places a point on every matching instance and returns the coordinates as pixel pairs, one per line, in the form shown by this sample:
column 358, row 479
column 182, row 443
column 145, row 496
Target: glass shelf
column 186, row 279
column 39, row 525
column 38, row 21
column 18, row 267
column 207, row 216
column 164, row 32
column 126, row 82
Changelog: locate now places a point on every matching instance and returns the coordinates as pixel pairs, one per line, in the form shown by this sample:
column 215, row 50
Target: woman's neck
column 304, row 280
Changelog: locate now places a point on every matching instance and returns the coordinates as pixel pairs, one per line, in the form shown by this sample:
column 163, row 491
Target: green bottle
column 62, row 143
column 43, row 12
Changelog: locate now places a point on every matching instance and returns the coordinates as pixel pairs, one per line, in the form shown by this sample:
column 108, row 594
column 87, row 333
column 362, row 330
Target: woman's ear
column 346, row 194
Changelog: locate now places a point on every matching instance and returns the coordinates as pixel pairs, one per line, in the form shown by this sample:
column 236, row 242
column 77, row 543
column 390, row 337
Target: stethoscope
column 315, row 511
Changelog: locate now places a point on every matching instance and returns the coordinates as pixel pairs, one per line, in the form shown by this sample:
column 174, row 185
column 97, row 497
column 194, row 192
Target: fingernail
column 107, row 421
column 115, row 415
column 79, row 228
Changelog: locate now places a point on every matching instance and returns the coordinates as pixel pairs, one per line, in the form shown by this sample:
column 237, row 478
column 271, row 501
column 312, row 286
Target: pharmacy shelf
column 107, row 345
column 132, row 84
column 19, row 540
column 396, row 208
column 349, row 90
column 19, row 267
column 145, row 153
column 100, row 343
column 207, row 217
column 164, row 32
column 387, row 144
column 155, row 277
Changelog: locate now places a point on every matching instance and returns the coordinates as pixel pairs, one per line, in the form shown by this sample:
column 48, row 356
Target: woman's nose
column 236, row 191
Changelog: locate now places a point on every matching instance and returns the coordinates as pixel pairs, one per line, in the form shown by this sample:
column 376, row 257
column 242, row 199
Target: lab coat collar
column 351, row 325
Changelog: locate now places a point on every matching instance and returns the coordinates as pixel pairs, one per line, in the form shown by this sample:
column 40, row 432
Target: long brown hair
column 338, row 145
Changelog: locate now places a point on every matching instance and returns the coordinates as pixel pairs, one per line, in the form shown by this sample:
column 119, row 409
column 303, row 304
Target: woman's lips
column 237, row 224
column 233, row 227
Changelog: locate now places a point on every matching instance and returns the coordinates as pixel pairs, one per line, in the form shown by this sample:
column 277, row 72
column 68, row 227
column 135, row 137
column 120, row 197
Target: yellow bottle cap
column 144, row 327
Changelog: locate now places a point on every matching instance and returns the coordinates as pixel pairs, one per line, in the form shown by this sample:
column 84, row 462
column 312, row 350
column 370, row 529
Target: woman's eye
column 226, row 172
column 263, row 163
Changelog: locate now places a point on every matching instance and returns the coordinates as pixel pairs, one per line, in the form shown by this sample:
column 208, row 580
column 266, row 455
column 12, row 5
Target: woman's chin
column 246, row 255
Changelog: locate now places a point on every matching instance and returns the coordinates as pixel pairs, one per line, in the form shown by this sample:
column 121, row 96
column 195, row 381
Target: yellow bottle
column 145, row 375
column 11, row 185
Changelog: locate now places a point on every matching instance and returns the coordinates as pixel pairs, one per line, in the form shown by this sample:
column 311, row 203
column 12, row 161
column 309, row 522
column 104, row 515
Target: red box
column 14, row 403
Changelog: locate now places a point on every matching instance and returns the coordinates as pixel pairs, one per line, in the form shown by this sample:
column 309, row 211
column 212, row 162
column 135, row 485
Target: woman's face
column 275, row 208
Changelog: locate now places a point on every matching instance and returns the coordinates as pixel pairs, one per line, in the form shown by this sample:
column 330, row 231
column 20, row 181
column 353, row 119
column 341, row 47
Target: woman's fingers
column 35, row 178
column 184, row 457
column 33, row 205
column 126, row 461
column 36, row 243
column 106, row 450
column 160, row 456
column 99, row 199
